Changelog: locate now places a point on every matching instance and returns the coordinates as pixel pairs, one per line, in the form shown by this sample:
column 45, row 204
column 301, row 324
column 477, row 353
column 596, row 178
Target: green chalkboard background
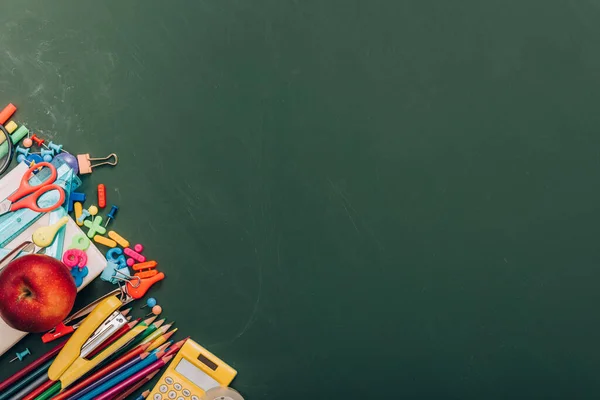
column 349, row 198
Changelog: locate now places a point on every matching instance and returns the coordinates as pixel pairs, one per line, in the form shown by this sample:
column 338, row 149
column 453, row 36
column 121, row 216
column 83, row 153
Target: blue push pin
column 47, row 155
column 111, row 214
column 22, row 150
column 151, row 302
column 56, row 148
column 22, row 355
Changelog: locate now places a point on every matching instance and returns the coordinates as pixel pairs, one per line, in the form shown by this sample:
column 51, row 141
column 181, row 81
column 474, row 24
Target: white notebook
column 96, row 261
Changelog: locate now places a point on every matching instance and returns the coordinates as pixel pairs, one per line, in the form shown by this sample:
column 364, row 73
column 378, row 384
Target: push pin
column 22, row 151
column 38, row 141
column 93, row 210
column 57, row 148
column 156, row 310
column 20, row 356
column 111, row 214
column 85, row 162
column 151, row 302
column 47, row 155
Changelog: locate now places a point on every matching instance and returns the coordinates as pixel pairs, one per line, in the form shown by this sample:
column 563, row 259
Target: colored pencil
column 136, row 387
column 161, row 340
column 29, row 388
column 141, row 366
column 110, row 391
column 138, row 339
column 128, row 365
column 34, row 376
column 156, row 334
column 142, row 396
column 57, row 387
column 151, row 329
column 175, row 347
column 49, row 385
column 124, row 329
column 25, row 371
column 102, row 372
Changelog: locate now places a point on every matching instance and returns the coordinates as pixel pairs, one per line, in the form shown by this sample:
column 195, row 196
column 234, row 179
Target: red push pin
column 38, row 141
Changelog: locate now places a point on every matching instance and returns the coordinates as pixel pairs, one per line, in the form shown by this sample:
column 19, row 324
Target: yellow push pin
column 93, row 210
column 43, row 237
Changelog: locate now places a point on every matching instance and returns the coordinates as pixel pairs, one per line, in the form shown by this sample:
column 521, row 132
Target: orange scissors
column 19, row 199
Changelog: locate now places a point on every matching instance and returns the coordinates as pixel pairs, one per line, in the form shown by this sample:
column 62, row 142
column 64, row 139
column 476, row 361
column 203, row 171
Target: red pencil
column 175, row 348
column 103, row 372
column 39, row 390
column 124, row 329
column 30, row 368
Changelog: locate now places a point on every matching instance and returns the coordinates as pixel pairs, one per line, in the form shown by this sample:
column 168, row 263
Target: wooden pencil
column 136, row 387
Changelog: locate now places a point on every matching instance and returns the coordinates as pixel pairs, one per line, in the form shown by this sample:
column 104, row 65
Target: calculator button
column 186, row 393
column 169, row 380
column 178, row 386
column 195, row 398
column 180, row 398
column 172, row 394
column 163, row 389
column 157, row 397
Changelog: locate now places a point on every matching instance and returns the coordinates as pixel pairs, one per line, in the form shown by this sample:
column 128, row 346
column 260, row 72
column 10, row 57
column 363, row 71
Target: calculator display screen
column 195, row 375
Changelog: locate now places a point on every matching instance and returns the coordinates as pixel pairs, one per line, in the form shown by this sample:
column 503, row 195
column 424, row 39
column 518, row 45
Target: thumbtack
column 38, row 141
column 111, row 214
column 57, row 148
column 21, row 150
column 151, row 302
column 156, row 310
column 47, row 155
column 93, row 210
column 20, row 356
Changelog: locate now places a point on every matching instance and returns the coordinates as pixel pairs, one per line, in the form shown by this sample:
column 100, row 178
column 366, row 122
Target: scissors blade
column 5, row 206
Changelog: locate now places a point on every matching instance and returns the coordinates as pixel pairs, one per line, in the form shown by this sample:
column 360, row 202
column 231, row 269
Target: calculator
column 193, row 372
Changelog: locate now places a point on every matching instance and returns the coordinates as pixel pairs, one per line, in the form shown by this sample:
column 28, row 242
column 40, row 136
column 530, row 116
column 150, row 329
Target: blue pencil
column 116, row 372
column 41, row 371
column 124, row 375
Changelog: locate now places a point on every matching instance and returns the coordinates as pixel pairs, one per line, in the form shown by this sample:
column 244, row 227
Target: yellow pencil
column 154, row 335
column 161, row 340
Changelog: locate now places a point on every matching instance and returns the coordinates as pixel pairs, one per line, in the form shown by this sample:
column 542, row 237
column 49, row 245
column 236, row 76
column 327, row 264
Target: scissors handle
column 31, row 202
column 26, row 189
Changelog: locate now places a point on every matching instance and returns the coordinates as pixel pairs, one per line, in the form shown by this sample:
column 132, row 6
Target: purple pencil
column 122, row 386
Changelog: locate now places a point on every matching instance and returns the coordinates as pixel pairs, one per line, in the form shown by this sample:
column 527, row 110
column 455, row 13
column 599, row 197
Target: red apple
column 36, row 293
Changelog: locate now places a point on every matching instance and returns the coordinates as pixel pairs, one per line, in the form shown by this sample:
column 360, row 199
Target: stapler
column 104, row 320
